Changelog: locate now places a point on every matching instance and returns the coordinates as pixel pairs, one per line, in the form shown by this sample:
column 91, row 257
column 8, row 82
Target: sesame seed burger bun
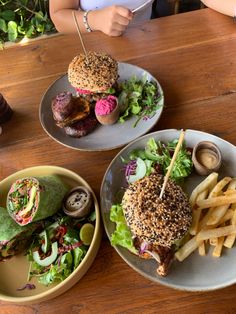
column 160, row 222
column 97, row 72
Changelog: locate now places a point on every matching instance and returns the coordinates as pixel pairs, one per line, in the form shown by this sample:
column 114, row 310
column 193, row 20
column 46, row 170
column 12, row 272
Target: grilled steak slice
column 82, row 127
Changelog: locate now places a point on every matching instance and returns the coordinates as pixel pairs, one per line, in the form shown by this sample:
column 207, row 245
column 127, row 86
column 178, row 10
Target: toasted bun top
column 97, row 72
column 154, row 220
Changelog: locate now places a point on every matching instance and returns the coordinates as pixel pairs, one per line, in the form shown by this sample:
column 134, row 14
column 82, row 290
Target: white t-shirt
column 141, row 15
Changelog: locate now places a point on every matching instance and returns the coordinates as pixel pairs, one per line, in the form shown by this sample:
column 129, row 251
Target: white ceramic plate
column 196, row 273
column 103, row 137
column 13, row 272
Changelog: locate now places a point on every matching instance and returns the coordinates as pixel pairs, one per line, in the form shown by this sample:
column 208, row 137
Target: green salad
column 138, row 97
column 156, row 156
column 57, row 251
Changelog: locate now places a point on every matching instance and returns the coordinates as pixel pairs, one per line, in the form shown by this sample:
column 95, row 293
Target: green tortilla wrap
column 14, row 239
column 34, row 198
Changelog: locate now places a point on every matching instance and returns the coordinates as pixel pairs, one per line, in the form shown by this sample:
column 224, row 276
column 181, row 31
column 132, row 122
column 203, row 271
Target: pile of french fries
column 214, row 217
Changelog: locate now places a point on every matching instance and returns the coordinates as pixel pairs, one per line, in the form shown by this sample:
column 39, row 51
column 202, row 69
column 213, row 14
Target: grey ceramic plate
column 103, row 137
column 196, row 273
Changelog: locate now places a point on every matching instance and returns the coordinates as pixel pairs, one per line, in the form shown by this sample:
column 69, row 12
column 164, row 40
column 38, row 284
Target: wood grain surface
column 193, row 55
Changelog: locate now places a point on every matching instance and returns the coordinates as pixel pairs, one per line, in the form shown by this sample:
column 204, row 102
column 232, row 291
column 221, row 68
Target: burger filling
column 156, row 224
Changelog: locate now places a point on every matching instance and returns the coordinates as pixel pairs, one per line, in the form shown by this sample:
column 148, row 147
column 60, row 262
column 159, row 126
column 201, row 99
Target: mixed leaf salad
column 57, row 251
column 156, row 156
column 138, row 97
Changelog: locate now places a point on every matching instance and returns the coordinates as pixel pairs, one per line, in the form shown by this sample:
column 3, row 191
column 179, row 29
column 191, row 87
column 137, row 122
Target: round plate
column 195, row 273
column 103, row 137
column 13, row 272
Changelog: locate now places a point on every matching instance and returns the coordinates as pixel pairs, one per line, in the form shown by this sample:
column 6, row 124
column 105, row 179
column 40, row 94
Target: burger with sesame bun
column 93, row 75
column 156, row 225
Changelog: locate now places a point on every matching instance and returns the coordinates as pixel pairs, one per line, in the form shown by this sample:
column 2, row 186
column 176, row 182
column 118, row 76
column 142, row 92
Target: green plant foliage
column 23, row 18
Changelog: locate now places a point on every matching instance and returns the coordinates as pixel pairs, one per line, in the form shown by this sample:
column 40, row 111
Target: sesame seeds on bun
column 154, row 220
column 97, row 72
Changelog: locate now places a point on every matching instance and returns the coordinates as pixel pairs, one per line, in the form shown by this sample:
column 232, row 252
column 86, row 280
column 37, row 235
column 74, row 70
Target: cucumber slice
column 46, row 244
column 140, row 171
column 48, row 260
column 50, row 229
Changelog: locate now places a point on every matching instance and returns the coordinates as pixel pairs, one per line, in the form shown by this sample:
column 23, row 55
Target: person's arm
column 227, row 7
column 111, row 20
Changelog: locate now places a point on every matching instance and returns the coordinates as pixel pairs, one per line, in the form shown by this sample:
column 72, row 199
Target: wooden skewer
column 79, row 33
column 180, row 141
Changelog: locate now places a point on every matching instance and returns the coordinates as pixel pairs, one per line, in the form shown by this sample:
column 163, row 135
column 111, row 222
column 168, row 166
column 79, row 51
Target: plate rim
column 60, row 288
column 102, row 149
column 119, row 251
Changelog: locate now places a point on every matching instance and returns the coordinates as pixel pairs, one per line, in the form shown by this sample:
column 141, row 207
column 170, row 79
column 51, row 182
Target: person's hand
column 112, row 20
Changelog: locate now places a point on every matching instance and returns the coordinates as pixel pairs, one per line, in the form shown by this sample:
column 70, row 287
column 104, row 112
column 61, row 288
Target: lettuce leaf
column 61, row 270
column 122, row 235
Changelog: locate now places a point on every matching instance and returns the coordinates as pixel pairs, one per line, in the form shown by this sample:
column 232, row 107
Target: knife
column 141, row 6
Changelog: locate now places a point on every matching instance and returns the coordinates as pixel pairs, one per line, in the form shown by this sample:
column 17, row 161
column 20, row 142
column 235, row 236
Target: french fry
column 233, row 208
column 202, row 249
column 217, row 214
column 227, row 216
column 197, row 213
column 216, row 201
column 186, row 249
column 219, row 211
column 215, row 233
column 213, row 241
column 217, row 190
column 218, row 248
column 230, row 192
column 204, row 185
column 230, row 239
column 214, row 204
column 203, row 222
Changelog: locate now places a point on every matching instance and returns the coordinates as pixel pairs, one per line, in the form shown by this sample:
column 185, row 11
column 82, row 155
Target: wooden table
column 193, row 55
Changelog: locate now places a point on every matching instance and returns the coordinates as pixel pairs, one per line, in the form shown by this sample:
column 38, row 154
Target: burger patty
column 154, row 220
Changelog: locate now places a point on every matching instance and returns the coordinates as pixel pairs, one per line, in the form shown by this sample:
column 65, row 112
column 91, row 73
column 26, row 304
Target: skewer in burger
column 94, row 75
column 156, row 224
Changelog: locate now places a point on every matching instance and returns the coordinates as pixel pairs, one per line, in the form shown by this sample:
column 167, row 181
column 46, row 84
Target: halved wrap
column 34, row 198
column 14, row 239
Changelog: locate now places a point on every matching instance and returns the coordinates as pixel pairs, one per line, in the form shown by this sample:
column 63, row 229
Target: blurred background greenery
column 23, row 18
